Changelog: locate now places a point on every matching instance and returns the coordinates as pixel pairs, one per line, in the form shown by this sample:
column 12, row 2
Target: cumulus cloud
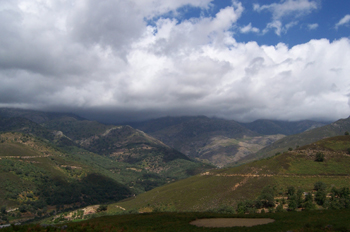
column 288, row 7
column 92, row 58
column 345, row 20
column 286, row 10
column 249, row 28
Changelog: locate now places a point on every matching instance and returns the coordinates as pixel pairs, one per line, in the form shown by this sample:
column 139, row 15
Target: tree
column 299, row 197
column 340, row 198
column 321, row 197
column 279, row 208
column 319, row 185
column 290, row 191
column 3, row 210
column 292, row 204
column 319, row 157
column 267, row 197
column 308, row 203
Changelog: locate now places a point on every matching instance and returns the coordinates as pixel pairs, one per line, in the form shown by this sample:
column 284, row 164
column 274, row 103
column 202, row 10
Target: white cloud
column 277, row 25
column 285, row 10
column 345, row 20
column 288, row 7
column 313, row 26
column 249, row 28
column 85, row 55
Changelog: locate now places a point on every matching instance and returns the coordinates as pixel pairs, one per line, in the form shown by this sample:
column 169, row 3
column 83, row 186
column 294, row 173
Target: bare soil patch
column 231, row 222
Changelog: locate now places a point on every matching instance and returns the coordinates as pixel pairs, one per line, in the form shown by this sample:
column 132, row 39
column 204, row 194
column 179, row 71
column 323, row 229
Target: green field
column 318, row 220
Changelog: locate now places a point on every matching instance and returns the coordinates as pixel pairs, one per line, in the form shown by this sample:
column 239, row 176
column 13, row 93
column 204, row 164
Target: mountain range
column 64, row 160
column 68, row 152
column 220, row 141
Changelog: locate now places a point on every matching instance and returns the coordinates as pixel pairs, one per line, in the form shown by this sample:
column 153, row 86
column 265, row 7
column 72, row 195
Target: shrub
column 102, row 208
column 346, row 133
column 293, row 204
column 308, row 204
column 321, row 197
column 290, row 191
column 299, row 197
column 279, row 208
column 22, row 208
column 3, row 210
column 320, row 186
column 319, row 157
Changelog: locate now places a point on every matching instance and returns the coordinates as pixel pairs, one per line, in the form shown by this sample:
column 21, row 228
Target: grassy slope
column 225, row 186
column 307, row 137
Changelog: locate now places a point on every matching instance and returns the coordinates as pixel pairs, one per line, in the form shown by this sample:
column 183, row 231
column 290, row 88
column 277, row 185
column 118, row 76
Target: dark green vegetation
column 66, row 161
column 227, row 187
column 323, row 220
column 34, row 175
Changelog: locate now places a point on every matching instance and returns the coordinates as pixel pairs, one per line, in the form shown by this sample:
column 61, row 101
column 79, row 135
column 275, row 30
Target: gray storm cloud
column 102, row 60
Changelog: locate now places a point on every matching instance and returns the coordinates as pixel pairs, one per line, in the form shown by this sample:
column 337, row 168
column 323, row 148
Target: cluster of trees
column 266, row 199
column 336, row 198
column 299, row 199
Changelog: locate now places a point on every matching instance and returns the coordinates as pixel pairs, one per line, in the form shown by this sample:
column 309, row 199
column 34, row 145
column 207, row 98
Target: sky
column 126, row 60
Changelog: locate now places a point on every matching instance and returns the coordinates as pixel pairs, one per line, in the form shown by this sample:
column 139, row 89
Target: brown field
column 231, row 222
